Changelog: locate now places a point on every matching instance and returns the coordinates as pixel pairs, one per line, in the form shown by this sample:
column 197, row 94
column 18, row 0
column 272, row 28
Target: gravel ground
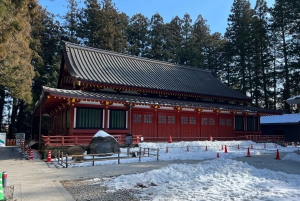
column 88, row 190
column 9, row 192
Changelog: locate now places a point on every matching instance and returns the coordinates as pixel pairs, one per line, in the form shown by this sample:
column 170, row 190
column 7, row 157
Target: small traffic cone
column 49, row 156
column 218, row 156
column 225, row 149
column 167, row 150
column 238, row 146
column 31, row 155
column 248, row 153
column 206, row 148
column 170, row 139
column 187, row 149
column 277, row 155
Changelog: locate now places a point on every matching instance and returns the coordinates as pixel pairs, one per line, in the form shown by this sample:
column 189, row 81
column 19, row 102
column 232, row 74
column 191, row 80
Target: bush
column 76, row 150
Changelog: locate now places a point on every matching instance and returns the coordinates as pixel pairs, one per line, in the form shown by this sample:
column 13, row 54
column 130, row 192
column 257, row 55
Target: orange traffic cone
column 167, row 150
column 277, row 155
column 49, row 156
column 206, row 148
column 31, row 155
column 225, row 149
column 218, row 156
column 248, row 153
column 170, row 139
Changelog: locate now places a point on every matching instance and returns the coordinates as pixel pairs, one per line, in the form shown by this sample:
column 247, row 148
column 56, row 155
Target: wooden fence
column 60, row 140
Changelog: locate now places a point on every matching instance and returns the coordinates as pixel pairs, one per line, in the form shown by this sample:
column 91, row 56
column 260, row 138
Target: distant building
column 286, row 124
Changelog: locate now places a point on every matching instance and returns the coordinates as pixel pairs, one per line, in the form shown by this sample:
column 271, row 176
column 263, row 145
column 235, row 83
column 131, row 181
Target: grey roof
column 118, row 97
column 294, row 100
column 281, row 119
column 104, row 67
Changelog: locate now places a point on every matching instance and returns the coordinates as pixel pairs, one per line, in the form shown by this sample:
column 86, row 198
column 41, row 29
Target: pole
column 40, row 127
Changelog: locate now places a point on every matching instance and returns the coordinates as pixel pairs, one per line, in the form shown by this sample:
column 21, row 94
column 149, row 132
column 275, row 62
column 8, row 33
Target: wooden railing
column 58, row 140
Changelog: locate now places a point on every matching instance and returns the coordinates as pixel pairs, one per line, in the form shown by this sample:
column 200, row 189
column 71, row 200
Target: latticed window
column 184, row 120
column 239, row 123
column 228, row 122
column 148, row 118
column 192, row 120
column 137, row 118
column 117, row 119
column 222, row 122
column 162, row 119
column 171, row 119
column 68, row 118
column 211, row 121
column 204, row 121
column 88, row 118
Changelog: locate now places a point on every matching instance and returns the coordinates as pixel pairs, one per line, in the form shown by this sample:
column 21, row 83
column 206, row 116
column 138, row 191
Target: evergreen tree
column 174, row 40
column 238, row 35
column 155, row 46
column 261, row 57
column 137, row 34
column 89, row 24
column 71, row 21
column 200, row 39
column 283, row 20
column 186, row 47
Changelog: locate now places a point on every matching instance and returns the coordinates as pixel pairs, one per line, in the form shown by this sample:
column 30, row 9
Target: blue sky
column 215, row 12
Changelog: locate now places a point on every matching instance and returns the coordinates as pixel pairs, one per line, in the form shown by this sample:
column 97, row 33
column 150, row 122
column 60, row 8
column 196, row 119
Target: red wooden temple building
column 123, row 94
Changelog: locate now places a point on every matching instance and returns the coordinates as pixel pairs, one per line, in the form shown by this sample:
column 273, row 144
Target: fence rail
column 85, row 140
column 64, row 161
column 58, row 140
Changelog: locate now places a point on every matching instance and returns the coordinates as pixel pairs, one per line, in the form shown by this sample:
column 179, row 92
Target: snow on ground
column 216, row 179
column 195, row 150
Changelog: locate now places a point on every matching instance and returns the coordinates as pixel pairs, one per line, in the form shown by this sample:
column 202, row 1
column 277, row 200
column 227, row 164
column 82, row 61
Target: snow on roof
column 101, row 133
column 280, row 119
column 294, row 100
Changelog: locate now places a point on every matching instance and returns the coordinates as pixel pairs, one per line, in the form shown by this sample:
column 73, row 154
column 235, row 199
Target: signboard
column 20, row 137
column 2, row 139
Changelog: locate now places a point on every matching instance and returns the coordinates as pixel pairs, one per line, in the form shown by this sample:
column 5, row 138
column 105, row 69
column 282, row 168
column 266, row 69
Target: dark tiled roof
column 152, row 101
column 105, row 67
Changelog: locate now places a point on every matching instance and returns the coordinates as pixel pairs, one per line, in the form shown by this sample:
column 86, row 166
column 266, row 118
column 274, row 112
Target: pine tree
column 155, row 46
column 137, row 34
column 186, row 47
column 174, row 40
column 71, row 21
column 200, row 39
column 238, row 35
column 283, row 20
column 261, row 57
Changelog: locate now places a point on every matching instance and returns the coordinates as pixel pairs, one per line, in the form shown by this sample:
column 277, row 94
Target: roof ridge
column 135, row 57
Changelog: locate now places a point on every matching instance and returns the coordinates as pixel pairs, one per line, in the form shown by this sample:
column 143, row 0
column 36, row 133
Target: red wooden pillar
column 198, row 121
column 155, row 122
column 217, row 122
column 178, row 124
